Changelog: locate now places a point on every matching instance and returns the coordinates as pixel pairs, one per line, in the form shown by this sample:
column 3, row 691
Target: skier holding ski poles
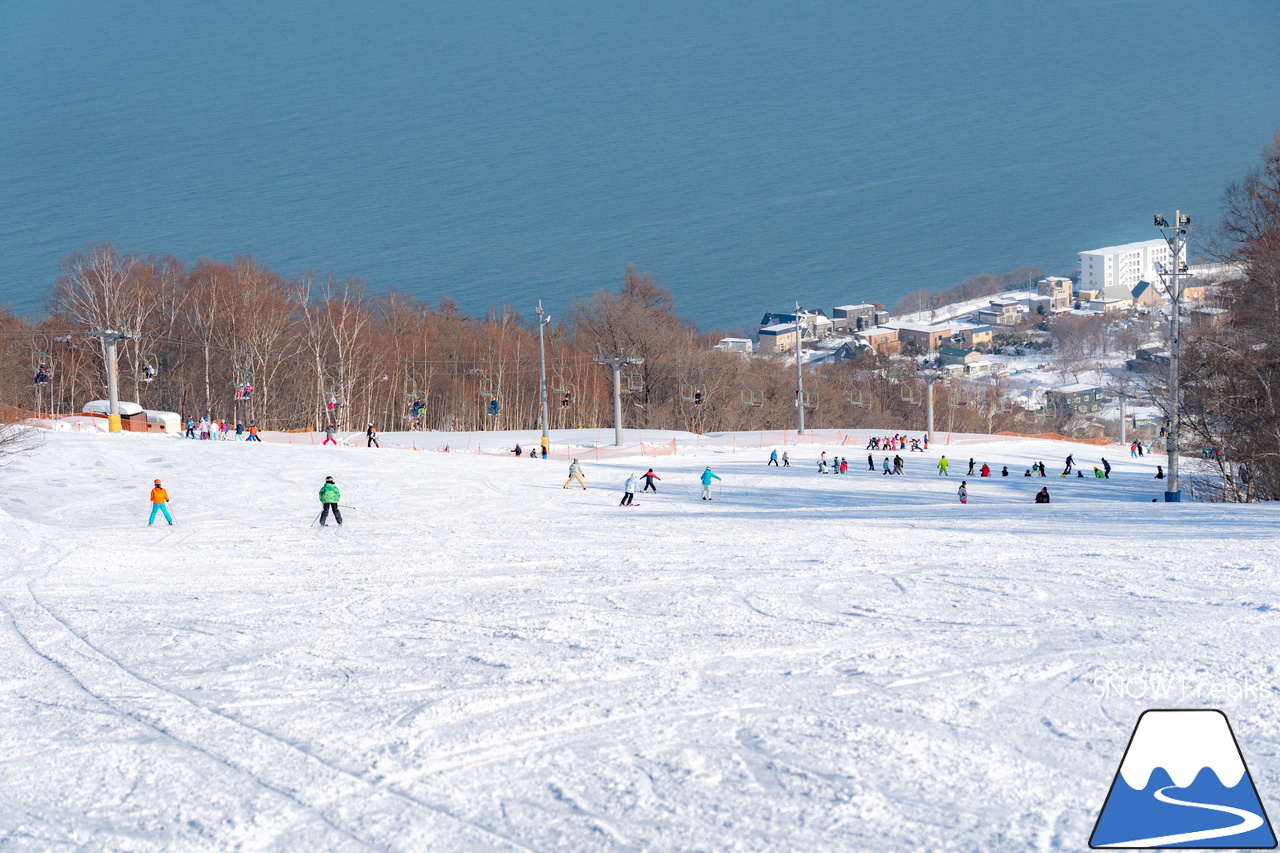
column 329, row 497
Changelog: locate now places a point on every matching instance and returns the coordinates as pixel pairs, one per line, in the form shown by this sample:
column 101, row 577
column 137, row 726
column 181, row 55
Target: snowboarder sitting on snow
column 649, row 477
column 986, row 470
column 628, row 490
column 1097, row 472
column 707, row 477
column 159, row 503
column 1042, row 496
column 1159, row 472
column 575, row 474
column 1004, row 472
column 329, row 497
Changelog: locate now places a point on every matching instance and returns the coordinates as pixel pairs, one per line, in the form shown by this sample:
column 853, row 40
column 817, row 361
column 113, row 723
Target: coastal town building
column 976, row 337
column 1124, row 265
column 1058, row 290
column 857, row 318
column 779, row 337
column 999, row 312
column 882, row 340
column 1078, row 399
column 743, row 345
column 923, row 337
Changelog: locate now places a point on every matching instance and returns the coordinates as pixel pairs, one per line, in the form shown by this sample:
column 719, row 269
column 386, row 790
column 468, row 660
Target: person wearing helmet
column 707, row 477
column 159, row 503
column 329, row 497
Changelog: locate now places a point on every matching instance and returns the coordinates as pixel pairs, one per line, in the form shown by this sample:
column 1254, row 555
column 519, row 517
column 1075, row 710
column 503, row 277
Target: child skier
column 328, row 436
column 963, row 491
column 372, row 435
column 159, row 503
column 649, row 477
column 329, row 497
column 628, row 490
column 707, row 477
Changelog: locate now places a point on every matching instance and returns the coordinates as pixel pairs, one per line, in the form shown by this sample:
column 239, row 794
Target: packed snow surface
column 481, row 660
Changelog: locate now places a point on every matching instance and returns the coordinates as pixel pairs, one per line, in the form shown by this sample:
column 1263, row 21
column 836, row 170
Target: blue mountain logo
column 1183, row 783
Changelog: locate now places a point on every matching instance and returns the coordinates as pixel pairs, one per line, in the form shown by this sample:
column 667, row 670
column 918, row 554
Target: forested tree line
column 209, row 328
column 1230, row 371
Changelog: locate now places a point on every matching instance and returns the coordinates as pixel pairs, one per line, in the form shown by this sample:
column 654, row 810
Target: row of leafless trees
column 317, row 350
column 1231, row 370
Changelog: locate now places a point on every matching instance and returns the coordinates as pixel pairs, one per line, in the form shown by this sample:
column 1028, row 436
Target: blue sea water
column 747, row 153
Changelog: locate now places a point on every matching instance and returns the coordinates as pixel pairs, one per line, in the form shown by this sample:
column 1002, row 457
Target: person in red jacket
column 649, row 477
column 159, row 503
column 986, row 470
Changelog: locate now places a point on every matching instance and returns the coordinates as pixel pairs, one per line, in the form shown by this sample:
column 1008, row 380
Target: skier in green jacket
column 329, row 498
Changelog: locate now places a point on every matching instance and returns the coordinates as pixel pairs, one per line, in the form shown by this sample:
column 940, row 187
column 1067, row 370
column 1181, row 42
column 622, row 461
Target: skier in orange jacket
column 159, row 503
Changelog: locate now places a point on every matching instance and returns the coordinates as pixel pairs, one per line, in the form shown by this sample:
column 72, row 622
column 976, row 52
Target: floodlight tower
column 1176, row 236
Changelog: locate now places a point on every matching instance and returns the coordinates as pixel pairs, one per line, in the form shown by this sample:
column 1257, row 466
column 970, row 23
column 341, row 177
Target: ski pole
column 317, row 518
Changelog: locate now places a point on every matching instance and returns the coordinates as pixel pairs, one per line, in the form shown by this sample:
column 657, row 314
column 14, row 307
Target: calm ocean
column 747, row 154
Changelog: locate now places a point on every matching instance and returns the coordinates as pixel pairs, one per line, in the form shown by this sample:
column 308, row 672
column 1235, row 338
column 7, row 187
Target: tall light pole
column 615, row 363
column 799, row 377
column 1176, row 236
column 542, row 359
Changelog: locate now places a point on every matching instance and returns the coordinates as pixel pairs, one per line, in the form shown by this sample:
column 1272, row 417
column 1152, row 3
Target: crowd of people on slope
column 633, row 481
column 215, row 429
column 898, row 442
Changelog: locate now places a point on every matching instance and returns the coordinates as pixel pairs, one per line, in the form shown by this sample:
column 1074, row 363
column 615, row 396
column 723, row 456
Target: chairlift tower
column 615, row 363
column 799, row 376
column 110, row 337
column 1176, row 236
column 543, row 320
column 930, row 375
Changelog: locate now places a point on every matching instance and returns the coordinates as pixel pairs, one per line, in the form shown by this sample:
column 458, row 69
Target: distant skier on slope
column 371, row 433
column 943, row 465
column 773, row 459
column 329, row 497
column 628, row 490
column 963, row 491
column 575, row 475
column 1071, row 461
column 328, row 436
column 1042, row 496
column 649, row 477
column 707, row 477
column 159, row 503
column 1106, row 468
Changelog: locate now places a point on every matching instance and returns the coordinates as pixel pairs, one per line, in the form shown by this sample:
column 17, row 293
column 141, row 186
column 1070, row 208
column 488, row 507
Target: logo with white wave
column 1183, row 783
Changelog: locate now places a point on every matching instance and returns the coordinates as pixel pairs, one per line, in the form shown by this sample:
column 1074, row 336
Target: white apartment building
column 1123, row 266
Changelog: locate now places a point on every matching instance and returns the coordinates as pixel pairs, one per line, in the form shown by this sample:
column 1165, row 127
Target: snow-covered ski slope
column 480, row 660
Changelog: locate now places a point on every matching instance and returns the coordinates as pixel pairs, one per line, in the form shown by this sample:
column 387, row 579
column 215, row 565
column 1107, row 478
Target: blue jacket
column 707, row 477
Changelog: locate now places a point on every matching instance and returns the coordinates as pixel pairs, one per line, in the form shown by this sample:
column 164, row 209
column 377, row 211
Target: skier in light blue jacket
column 707, row 477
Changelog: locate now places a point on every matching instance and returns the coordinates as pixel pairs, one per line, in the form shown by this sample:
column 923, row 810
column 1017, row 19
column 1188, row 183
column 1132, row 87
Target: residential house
column 977, row 336
column 855, row 318
column 999, row 312
column 1078, row 399
column 1058, row 290
column 743, row 345
column 926, row 338
column 882, row 340
column 948, row 356
column 780, row 337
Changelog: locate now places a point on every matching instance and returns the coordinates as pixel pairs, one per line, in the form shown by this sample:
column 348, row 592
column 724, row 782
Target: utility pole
column 799, row 376
column 542, row 358
column 1176, row 236
column 1122, row 423
column 615, row 363
column 110, row 338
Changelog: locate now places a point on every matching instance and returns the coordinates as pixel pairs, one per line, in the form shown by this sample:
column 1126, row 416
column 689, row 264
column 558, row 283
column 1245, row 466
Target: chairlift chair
column 808, row 399
column 753, row 396
column 148, row 368
column 632, row 382
column 860, row 398
column 487, row 387
column 243, row 384
column 912, row 395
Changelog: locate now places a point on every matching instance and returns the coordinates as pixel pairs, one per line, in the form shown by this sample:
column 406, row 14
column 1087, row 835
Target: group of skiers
column 633, row 480
column 898, row 442
column 221, row 430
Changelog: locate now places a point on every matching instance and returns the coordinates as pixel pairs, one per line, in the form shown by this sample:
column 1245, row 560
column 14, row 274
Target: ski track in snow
column 479, row 660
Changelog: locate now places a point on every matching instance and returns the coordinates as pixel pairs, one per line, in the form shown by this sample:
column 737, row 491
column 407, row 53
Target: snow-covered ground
column 480, row 660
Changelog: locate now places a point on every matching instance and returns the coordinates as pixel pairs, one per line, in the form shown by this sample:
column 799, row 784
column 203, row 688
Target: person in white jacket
column 629, row 490
column 575, row 475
